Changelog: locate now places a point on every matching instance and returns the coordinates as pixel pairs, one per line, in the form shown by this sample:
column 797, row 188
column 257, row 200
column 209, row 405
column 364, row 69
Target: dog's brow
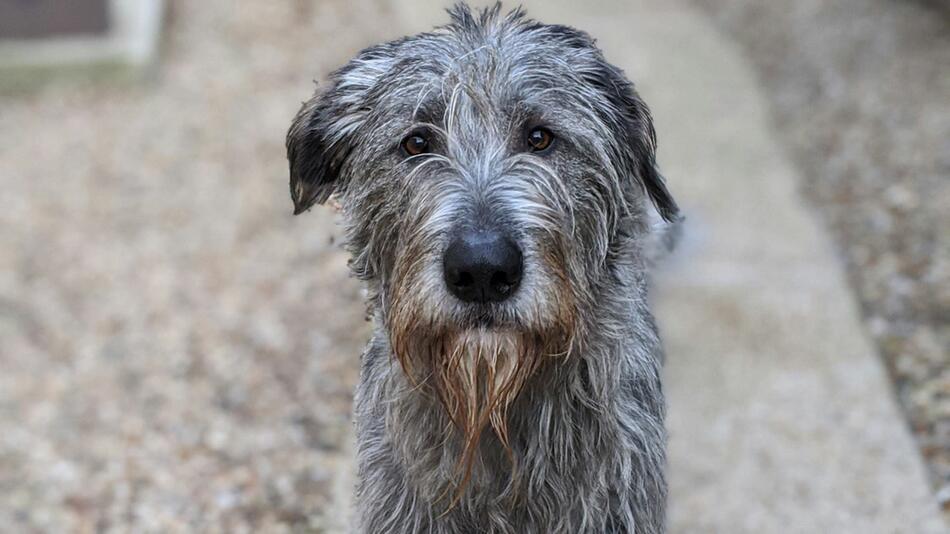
column 429, row 110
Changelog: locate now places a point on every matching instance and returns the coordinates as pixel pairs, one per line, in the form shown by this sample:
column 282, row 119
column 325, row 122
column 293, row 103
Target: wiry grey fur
column 585, row 435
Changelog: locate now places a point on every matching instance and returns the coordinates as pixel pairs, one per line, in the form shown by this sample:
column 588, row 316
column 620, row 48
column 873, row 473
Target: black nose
column 482, row 266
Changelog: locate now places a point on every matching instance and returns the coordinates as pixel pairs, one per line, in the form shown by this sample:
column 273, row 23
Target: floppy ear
column 316, row 154
column 653, row 182
column 635, row 148
column 325, row 130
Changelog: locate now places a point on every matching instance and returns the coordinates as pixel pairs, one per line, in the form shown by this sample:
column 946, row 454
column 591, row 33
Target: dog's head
column 492, row 173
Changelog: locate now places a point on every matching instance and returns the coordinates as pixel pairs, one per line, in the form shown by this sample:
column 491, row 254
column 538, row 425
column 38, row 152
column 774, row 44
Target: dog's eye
column 540, row 139
column 415, row 144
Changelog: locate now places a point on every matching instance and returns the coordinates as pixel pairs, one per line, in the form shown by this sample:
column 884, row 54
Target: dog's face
column 491, row 173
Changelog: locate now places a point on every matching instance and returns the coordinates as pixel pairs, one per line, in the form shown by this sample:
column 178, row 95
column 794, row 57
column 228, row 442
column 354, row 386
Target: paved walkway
column 781, row 418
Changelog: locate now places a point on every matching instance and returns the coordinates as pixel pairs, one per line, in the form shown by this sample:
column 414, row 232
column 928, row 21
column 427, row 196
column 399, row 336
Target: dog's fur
column 542, row 413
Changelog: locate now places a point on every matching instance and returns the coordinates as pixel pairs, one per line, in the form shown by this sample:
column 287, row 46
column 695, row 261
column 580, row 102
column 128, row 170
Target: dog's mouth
column 484, row 318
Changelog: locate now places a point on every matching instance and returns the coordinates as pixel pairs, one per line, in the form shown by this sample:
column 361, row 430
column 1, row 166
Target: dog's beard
column 476, row 374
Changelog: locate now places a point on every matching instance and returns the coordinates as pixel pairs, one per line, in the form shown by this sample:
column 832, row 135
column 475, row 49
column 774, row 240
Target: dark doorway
column 37, row 19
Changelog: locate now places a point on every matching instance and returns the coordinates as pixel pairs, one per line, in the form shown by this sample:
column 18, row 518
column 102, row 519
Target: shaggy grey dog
column 496, row 177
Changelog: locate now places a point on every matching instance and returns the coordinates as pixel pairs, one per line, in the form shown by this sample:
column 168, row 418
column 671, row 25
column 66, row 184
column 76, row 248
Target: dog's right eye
column 415, row 144
column 539, row 139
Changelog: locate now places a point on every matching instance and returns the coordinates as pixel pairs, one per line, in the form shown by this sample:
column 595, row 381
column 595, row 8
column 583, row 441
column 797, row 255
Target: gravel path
column 178, row 352
column 860, row 92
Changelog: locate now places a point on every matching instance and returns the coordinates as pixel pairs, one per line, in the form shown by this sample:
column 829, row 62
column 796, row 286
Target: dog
column 497, row 178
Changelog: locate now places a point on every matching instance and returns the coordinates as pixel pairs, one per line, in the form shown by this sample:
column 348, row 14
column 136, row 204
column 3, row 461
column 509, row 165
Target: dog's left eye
column 415, row 144
column 540, row 139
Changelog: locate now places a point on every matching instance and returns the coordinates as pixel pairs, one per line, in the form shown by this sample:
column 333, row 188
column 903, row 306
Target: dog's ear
column 635, row 139
column 325, row 130
column 649, row 172
column 315, row 157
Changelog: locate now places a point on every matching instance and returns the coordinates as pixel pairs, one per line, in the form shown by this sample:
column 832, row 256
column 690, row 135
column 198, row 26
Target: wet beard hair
column 476, row 375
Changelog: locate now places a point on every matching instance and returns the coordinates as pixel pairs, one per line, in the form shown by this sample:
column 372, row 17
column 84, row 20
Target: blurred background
column 178, row 353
